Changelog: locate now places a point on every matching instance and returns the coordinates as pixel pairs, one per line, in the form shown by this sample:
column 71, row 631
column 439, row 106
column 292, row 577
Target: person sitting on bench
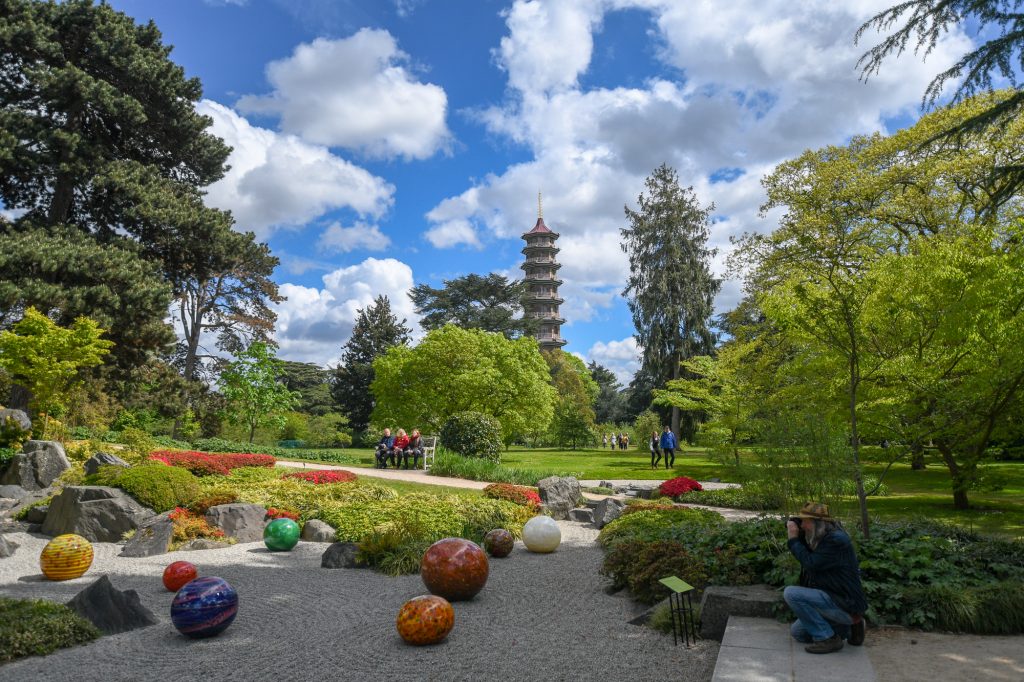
column 384, row 446
column 401, row 441
column 415, row 448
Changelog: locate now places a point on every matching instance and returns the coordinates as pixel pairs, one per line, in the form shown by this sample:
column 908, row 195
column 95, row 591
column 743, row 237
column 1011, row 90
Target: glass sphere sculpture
column 499, row 542
column 454, row 568
column 66, row 557
column 204, row 607
column 541, row 534
column 425, row 620
column 179, row 573
column 281, row 535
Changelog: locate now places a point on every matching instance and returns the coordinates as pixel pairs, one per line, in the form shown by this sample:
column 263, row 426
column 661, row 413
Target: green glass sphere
column 281, row 535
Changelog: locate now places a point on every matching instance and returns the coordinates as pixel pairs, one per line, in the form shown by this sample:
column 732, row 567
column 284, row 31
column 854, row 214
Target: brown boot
column 825, row 646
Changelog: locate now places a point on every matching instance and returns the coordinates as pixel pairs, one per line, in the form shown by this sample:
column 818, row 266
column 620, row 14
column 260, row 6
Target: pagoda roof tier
column 554, row 265
column 537, row 247
column 540, row 228
column 542, row 298
column 548, row 343
column 542, row 280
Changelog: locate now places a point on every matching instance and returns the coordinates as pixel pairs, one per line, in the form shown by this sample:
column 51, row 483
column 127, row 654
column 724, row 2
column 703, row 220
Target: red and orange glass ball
column 499, row 542
column 179, row 573
column 66, row 557
column 454, row 568
column 425, row 620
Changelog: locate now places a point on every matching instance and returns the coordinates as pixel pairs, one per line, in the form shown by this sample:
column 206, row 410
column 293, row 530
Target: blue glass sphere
column 204, row 607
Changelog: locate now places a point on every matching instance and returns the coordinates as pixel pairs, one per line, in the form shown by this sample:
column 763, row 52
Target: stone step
column 761, row 649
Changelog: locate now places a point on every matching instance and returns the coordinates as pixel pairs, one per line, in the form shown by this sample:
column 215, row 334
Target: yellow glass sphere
column 66, row 557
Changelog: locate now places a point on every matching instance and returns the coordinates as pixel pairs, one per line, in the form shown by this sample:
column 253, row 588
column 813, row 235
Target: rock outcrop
column 97, row 513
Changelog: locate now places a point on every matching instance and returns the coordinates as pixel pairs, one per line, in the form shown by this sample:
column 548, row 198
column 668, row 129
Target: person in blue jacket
column 384, row 446
column 829, row 602
column 668, row 446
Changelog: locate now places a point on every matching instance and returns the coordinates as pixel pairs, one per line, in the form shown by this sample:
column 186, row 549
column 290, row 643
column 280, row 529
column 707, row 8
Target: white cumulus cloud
column 280, row 181
column 338, row 239
column 622, row 358
column 314, row 323
column 357, row 93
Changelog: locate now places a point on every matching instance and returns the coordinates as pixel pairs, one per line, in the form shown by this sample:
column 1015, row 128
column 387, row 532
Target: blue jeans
column 817, row 615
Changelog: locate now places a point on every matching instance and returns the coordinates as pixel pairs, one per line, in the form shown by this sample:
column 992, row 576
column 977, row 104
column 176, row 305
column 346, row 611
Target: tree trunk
column 858, row 475
column 252, row 432
column 675, row 410
column 63, row 185
column 20, row 397
column 957, row 474
column 917, row 456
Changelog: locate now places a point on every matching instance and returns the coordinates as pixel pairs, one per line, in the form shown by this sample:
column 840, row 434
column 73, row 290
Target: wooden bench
column 429, row 444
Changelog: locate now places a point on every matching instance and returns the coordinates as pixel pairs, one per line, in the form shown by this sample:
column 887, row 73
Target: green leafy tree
column 312, row 384
column 223, row 288
column 1000, row 57
column 717, row 390
column 610, row 404
column 254, row 396
column 376, row 330
column 464, row 370
column 48, row 359
column 670, row 289
column 94, row 113
column 573, row 421
column 491, row 303
column 65, row 274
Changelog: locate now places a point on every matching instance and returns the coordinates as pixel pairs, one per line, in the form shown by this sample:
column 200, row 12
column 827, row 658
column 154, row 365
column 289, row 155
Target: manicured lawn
column 632, row 464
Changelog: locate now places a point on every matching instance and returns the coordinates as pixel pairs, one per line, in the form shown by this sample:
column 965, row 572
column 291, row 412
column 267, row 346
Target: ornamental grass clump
column 321, row 476
column 519, row 494
column 33, row 627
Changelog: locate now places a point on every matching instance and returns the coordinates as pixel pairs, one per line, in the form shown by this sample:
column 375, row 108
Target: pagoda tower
column 541, row 268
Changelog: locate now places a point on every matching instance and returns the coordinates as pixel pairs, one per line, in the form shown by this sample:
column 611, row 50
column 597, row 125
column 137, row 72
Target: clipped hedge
column 157, row 486
column 519, row 494
column 34, row 627
column 473, row 434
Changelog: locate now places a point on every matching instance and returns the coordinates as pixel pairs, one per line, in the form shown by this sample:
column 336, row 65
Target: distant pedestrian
column 604, row 441
column 655, row 452
column 668, row 445
column 613, row 441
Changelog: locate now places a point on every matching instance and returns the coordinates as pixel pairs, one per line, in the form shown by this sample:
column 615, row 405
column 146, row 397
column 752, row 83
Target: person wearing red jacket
column 401, row 441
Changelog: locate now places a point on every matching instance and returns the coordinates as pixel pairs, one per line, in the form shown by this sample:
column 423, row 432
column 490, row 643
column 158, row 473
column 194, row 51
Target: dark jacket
column 832, row 567
column 386, row 442
column 654, row 444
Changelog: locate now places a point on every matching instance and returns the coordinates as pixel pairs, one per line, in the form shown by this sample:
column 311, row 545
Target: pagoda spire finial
column 540, row 207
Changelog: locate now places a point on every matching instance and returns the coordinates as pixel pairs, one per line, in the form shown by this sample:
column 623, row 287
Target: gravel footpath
column 541, row 616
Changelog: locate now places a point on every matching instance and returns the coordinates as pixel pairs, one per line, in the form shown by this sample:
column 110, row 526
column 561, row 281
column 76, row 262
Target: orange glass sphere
column 66, row 557
column 179, row 573
column 425, row 620
column 454, row 568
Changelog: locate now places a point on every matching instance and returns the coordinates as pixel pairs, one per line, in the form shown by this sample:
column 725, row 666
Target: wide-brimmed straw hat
column 815, row 510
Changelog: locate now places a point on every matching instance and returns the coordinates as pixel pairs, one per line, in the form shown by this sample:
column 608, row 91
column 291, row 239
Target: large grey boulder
column 153, row 537
column 13, row 492
column 38, row 465
column 316, row 530
column 110, row 609
column 244, row 522
column 340, row 555
column 7, row 547
column 719, row 602
column 100, row 459
column 559, row 495
column 36, row 514
column 19, row 417
column 606, row 511
column 97, row 513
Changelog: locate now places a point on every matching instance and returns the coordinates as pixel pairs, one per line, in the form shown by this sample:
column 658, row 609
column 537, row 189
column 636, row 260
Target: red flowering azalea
column 679, row 485
column 275, row 513
column 520, row 494
column 324, row 476
column 210, row 464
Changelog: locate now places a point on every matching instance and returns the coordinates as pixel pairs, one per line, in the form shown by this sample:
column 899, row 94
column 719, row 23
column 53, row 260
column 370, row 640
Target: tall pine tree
column 670, row 289
column 376, row 330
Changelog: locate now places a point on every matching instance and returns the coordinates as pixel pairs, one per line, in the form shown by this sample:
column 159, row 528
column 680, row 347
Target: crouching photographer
column 829, row 603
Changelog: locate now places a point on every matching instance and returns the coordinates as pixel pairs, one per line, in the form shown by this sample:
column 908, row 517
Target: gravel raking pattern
column 540, row 616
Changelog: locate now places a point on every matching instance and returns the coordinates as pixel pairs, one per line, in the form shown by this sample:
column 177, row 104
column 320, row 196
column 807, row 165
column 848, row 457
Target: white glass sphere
column 541, row 534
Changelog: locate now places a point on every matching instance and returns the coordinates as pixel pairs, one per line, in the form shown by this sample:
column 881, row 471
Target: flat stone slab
column 761, row 650
column 719, row 602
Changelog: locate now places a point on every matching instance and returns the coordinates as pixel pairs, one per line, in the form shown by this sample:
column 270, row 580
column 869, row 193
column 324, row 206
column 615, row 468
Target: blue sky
column 385, row 143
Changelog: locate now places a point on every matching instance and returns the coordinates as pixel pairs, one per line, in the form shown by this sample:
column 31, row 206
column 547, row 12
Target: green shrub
column 157, row 486
column 734, row 498
column 473, row 434
column 6, row 455
column 23, row 512
column 33, row 627
column 12, row 435
column 447, row 463
column 213, row 498
column 661, row 619
column 222, row 445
